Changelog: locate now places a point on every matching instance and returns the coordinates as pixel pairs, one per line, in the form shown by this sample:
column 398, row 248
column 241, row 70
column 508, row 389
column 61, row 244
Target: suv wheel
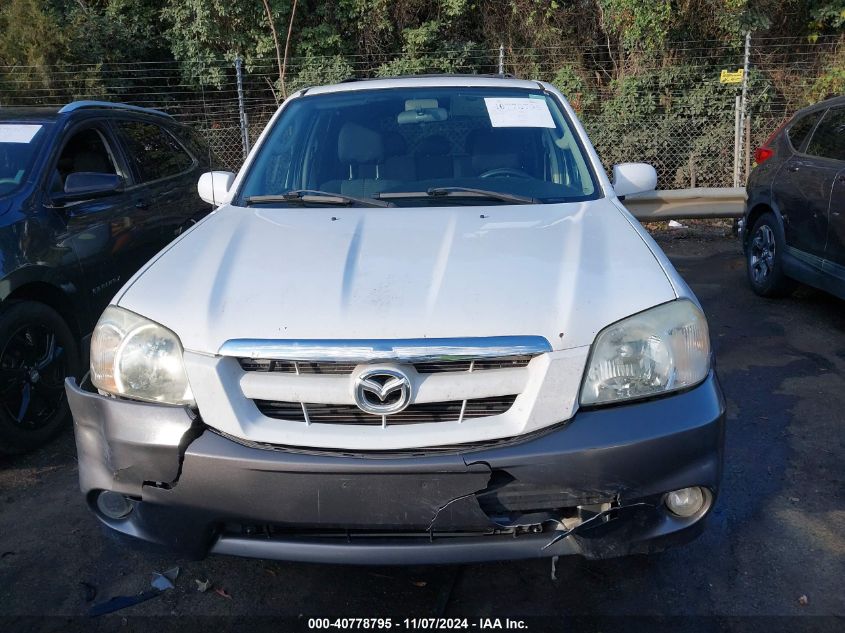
column 37, row 352
column 764, row 258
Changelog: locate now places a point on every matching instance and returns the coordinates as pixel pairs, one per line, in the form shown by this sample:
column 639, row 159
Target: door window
column 85, row 151
column 829, row 138
column 156, row 153
column 799, row 130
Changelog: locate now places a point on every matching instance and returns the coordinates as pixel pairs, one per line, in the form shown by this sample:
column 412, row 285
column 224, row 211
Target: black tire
column 764, row 258
column 37, row 351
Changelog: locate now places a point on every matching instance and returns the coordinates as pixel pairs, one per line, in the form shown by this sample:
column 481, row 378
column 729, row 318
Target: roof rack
column 433, row 75
column 81, row 105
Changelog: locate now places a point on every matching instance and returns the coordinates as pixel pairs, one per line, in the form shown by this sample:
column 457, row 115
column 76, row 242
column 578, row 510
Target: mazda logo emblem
column 382, row 390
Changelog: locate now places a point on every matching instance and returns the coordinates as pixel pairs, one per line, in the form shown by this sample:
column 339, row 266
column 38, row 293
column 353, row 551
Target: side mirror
column 631, row 178
column 214, row 186
column 86, row 185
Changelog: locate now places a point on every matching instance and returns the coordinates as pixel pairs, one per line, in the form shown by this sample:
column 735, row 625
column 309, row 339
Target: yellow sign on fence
column 731, row 77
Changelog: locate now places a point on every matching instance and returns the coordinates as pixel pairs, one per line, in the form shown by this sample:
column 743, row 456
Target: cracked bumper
column 199, row 492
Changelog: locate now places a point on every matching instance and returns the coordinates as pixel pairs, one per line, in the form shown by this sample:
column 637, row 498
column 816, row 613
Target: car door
column 801, row 191
column 112, row 236
column 167, row 171
column 831, row 142
column 835, row 251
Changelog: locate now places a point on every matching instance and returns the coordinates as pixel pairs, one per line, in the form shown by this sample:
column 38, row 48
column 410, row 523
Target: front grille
column 430, row 367
column 291, row 367
column 452, row 411
column 482, row 364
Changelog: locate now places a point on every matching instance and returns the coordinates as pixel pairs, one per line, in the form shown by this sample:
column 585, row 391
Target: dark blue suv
column 88, row 194
column 794, row 225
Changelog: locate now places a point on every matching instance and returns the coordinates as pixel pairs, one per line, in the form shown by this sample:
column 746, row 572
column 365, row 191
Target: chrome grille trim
column 432, row 412
column 397, row 350
column 295, row 367
column 481, row 364
column 269, row 365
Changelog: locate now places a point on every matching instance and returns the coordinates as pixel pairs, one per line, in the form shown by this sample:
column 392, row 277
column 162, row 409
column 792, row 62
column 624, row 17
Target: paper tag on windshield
column 515, row 112
column 18, row 132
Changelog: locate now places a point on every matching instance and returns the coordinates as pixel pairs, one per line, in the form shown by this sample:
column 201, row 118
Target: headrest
column 357, row 144
column 434, row 146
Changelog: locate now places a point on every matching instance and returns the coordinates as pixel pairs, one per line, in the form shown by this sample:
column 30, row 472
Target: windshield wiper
column 315, row 196
column 463, row 192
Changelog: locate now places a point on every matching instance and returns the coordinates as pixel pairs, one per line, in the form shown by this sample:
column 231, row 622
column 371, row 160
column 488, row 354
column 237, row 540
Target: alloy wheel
column 32, row 371
column 762, row 254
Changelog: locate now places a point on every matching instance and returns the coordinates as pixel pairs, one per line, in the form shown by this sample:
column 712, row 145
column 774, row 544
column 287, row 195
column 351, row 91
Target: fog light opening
column 687, row 502
column 113, row 504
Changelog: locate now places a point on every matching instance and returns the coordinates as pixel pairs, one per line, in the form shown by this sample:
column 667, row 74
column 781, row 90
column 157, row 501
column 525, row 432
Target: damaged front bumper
column 593, row 486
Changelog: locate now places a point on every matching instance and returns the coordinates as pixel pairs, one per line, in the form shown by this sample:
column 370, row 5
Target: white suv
column 420, row 327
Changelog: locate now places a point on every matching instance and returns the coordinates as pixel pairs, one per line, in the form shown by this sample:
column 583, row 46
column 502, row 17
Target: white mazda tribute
column 419, row 327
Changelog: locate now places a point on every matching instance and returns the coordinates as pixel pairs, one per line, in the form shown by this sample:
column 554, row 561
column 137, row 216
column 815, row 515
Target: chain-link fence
column 678, row 116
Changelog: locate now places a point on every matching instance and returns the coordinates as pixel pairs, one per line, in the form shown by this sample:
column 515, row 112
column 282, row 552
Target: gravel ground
column 777, row 533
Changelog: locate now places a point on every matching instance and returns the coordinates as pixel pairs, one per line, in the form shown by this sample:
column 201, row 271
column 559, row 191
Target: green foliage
column 319, row 41
column 627, row 66
column 23, row 24
column 574, row 87
column 638, row 24
column 678, row 118
column 46, row 39
column 827, row 16
column 202, row 32
column 830, row 82
column 423, row 51
column 320, row 70
column 114, row 31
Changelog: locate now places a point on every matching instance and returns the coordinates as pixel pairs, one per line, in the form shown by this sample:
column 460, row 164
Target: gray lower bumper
column 200, row 492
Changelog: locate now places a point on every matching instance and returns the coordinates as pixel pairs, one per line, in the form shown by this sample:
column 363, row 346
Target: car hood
column 561, row 271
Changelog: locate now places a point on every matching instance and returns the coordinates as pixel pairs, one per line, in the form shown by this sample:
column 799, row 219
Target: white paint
column 294, row 273
column 631, row 178
column 214, row 187
column 18, row 132
column 516, row 112
column 561, row 271
column 550, row 386
column 337, row 388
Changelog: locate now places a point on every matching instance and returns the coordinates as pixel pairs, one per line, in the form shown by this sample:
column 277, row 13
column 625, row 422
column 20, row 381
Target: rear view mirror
column 422, row 115
column 631, row 178
column 214, row 186
column 85, row 185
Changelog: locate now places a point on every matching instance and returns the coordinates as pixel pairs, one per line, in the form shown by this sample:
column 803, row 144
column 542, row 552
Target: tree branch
column 287, row 48
column 276, row 44
column 607, row 39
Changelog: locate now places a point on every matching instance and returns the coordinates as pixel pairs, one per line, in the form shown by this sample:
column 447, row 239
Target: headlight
column 137, row 358
column 663, row 349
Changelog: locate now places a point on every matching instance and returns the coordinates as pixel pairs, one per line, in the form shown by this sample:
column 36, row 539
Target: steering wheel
column 507, row 172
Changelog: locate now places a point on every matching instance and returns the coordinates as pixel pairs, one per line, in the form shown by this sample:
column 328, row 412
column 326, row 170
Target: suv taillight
column 765, row 151
column 762, row 154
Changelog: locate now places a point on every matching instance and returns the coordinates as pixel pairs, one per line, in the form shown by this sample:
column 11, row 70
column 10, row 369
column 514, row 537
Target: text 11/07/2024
column 414, row 624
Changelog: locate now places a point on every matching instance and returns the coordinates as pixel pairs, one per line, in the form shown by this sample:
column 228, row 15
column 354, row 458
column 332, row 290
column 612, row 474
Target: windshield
column 19, row 143
column 413, row 146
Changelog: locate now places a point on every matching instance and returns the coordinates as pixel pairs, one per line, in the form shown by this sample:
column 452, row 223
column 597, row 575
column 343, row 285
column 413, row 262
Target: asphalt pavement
column 772, row 556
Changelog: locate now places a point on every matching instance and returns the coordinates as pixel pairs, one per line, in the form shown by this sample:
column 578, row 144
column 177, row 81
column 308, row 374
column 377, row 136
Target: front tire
column 764, row 258
column 37, row 351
